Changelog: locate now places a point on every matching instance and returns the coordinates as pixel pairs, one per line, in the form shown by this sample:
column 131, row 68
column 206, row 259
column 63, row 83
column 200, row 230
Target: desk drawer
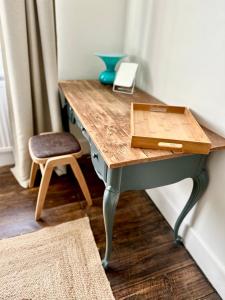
column 78, row 123
column 85, row 134
column 97, row 160
column 98, row 163
column 70, row 114
column 83, row 130
column 75, row 120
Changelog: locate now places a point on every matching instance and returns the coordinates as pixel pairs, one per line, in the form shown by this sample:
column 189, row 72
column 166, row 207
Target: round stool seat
column 54, row 144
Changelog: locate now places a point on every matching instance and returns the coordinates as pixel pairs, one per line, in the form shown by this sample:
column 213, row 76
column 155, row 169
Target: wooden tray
column 167, row 128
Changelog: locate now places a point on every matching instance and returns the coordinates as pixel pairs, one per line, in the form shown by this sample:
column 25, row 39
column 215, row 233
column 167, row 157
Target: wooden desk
column 104, row 119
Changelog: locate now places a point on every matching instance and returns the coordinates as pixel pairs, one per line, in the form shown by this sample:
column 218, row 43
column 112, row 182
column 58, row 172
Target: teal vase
column 110, row 60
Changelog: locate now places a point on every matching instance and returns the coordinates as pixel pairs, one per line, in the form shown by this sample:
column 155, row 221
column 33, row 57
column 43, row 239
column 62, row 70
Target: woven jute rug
column 59, row 262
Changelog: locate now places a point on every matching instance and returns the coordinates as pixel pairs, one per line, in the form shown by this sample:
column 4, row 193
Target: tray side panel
column 159, row 128
column 159, row 107
column 197, row 129
column 168, row 144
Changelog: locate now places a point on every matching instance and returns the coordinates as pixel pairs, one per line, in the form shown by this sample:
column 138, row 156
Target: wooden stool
column 48, row 151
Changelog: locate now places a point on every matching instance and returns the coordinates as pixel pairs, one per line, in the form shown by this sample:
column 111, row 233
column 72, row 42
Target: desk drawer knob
column 95, row 155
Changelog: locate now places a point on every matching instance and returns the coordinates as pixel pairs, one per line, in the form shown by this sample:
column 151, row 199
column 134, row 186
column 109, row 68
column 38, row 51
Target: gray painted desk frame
column 144, row 176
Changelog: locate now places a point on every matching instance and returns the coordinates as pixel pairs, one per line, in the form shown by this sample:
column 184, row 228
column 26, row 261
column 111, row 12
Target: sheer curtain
column 28, row 40
column 5, row 132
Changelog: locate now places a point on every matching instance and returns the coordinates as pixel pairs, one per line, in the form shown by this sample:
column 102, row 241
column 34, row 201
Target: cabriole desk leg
column 200, row 184
column 110, row 200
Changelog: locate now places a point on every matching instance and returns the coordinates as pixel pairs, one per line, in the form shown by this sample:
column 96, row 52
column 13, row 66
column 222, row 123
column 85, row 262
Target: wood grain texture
column 167, row 128
column 106, row 117
column 146, row 264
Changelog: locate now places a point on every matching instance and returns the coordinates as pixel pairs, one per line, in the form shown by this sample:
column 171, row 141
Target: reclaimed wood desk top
column 106, row 117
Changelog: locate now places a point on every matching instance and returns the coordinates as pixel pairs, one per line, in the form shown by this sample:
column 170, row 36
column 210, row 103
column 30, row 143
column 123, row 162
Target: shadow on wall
column 212, row 205
column 146, row 39
column 138, row 36
column 182, row 62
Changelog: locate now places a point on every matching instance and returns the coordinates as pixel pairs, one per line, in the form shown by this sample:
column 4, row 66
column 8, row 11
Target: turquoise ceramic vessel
column 110, row 60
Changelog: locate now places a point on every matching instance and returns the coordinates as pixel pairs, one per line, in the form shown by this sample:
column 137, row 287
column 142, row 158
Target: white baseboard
column 6, row 156
column 213, row 269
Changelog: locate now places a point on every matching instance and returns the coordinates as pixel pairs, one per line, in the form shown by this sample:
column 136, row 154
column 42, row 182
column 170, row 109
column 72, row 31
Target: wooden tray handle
column 172, row 146
column 159, row 109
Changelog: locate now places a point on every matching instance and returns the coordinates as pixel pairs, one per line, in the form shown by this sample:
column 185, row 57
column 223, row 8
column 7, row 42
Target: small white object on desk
column 125, row 78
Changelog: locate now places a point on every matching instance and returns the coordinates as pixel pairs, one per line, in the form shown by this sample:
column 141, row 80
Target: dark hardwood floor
column 146, row 264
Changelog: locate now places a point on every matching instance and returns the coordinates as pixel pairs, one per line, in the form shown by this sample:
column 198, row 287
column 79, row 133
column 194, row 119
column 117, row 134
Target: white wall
column 180, row 46
column 83, row 28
